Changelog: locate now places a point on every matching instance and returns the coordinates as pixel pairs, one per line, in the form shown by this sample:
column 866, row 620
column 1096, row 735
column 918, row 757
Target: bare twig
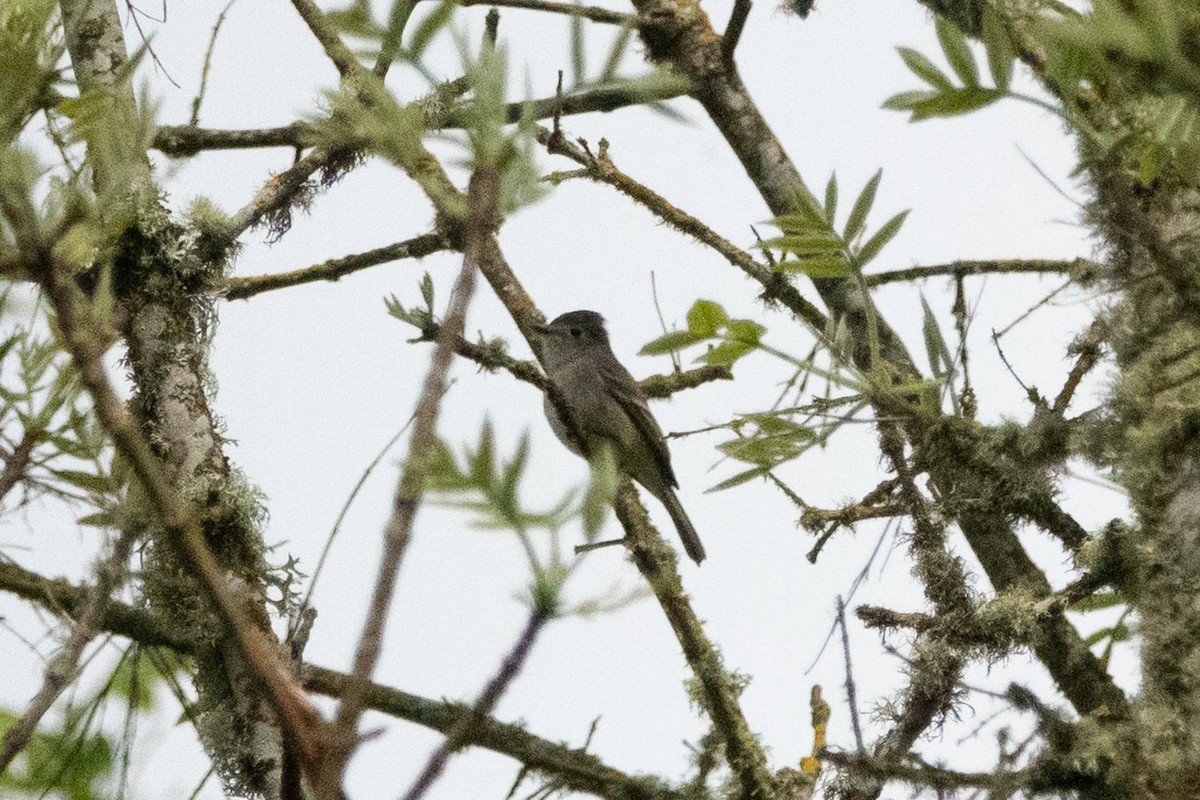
column 733, row 31
column 600, row 168
column 462, row 732
column 1083, row 270
column 851, row 691
column 212, row 43
column 492, row 355
column 110, row 573
column 187, row 140
column 16, row 462
column 335, row 268
column 1089, row 349
column 593, row 13
column 482, row 220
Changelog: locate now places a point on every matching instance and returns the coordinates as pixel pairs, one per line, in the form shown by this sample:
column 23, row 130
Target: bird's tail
column 691, row 541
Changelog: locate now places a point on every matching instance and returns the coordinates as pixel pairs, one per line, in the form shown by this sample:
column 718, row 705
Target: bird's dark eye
column 576, row 332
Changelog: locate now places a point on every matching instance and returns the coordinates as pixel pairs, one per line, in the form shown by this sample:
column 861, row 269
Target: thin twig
column 1089, row 349
column 482, row 220
column 1081, row 268
column 593, row 13
column 110, row 574
column 601, row 169
column 335, row 268
column 212, row 43
column 187, row 140
column 884, row 618
column 851, row 691
column 18, row 460
column 733, row 31
column 461, row 733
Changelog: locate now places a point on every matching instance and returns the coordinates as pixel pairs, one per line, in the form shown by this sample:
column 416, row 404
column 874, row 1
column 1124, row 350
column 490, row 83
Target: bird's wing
column 633, row 403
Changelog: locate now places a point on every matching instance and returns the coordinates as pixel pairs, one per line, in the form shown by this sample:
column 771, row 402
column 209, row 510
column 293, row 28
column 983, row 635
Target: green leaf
column 727, row 352
column 940, row 358
column 817, row 267
column 426, row 292
column 102, row 519
column 877, row 242
column 831, row 196
column 907, row 101
column 801, row 245
column 1098, row 601
column 705, row 317
column 999, row 49
column 739, row 479
column 434, row 21
column 956, row 102
column 924, row 68
column 862, row 207
column 97, row 484
column 355, row 20
column 671, row 342
column 957, row 51
column 745, row 330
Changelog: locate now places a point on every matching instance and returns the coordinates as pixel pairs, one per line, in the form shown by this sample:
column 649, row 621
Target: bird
column 608, row 409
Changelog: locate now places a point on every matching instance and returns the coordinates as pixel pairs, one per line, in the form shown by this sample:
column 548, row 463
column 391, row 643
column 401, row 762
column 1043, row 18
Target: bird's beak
column 540, row 330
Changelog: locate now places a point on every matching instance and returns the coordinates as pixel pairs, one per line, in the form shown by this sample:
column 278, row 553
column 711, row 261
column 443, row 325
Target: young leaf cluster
column 944, row 98
column 48, row 432
column 420, row 317
column 707, row 321
column 487, row 484
column 28, row 53
column 811, row 238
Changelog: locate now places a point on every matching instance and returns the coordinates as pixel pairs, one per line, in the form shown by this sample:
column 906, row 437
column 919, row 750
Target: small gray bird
column 608, row 408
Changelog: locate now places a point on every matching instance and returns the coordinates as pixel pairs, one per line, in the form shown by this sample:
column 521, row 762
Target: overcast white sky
column 312, row 381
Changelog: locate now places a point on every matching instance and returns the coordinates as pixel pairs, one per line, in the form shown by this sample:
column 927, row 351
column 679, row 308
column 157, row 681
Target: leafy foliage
column 819, row 250
column 1147, row 48
column 945, row 99
column 60, row 760
column 55, row 441
column 707, row 322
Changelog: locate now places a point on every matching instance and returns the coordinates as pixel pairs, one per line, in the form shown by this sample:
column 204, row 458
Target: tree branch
column 1081, row 269
column 678, row 32
column 577, row 769
column 483, row 197
column 658, row 564
column 593, row 13
column 461, row 733
column 110, row 573
column 183, row 534
column 601, row 169
column 179, row 141
column 335, row 268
